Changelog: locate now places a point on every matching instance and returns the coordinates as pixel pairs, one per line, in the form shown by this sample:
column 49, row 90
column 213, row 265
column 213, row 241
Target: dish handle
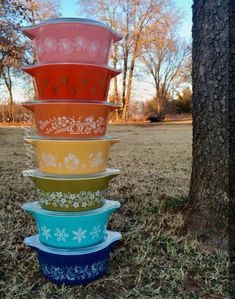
column 30, row 32
column 116, row 37
column 28, row 106
column 29, row 174
column 30, row 241
column 113, row 206
column 30, row 141
column 28, row 208
column 114, row 72
column 113, row 141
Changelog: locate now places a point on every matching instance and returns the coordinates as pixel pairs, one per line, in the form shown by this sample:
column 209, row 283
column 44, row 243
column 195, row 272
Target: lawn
column 154, row 259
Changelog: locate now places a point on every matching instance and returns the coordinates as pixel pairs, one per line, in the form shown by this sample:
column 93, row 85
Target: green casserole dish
column 71, row 193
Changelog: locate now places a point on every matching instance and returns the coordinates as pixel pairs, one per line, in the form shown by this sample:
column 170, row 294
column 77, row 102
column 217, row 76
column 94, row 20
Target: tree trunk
column 116, row 95
column 129, row 83
column 207, row 210
column 8, row 82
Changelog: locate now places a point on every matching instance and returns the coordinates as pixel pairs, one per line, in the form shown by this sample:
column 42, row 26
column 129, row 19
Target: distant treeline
column 20, row 114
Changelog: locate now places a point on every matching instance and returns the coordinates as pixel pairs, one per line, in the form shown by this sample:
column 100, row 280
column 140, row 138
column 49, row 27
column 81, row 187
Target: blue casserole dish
column 71, row 229
column 80, row 266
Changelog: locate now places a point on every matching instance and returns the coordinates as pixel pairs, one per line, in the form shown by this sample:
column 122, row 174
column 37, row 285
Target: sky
column 70, row 9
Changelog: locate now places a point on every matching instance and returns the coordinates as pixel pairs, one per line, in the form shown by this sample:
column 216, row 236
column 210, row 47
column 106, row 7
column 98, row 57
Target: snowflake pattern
column 76, row 273
column 79, row 235
column 73, row 126
column 61, row 234
column 79, row 43
column 46, row 232
column 95, row 232
column 83, row 199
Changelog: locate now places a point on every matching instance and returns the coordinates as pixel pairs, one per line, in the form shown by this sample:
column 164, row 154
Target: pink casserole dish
column 72, row 40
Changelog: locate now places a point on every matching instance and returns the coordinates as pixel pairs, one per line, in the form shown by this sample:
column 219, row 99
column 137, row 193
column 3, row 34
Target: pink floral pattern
column 66, row 46
column 50, row 44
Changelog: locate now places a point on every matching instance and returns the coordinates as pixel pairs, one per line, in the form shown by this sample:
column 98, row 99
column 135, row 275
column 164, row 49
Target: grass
column 153, row 260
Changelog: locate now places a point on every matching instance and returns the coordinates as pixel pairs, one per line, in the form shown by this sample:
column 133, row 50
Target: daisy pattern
column 81, row 43
column 61, row 234
column 79, row 235
column 93, row 48
column 75, row 204
column 49, row 159
column 65, row 46
column 71, row 162
column 50, row 44
column 84, row 204
column 46, row 232
column 95, row 232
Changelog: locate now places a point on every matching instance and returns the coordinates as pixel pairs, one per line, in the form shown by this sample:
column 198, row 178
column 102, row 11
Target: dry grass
column 153, row 260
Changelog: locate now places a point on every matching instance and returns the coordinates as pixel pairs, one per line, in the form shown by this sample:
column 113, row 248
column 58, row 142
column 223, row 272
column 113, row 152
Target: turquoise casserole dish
column 71, row 229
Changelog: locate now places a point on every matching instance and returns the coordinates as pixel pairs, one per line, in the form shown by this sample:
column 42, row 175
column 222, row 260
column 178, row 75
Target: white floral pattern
column 79, row 235
column 96, row 159
column 66, row 46
column 49, row 159
column 50, row 44
column 73, row 126
column 83, row 199
column 71, row 162
column 75, row 273
column 40, row 47
column 61, row 234
column 81, row 43
column 93, row 48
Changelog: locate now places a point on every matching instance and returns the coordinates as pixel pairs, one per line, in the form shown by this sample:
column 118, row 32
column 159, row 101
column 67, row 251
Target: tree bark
column 116, row 95
column 8, row 82
column 231, row 109
column 207, row 210
column 129, row 82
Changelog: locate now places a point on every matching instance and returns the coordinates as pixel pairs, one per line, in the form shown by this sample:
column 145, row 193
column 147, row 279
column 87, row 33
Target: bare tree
column 11, row 48
column 12, row 44
column 133, row 19
column 164, row 57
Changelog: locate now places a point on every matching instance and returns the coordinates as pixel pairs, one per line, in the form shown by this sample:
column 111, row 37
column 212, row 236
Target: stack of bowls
column 71, row 114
